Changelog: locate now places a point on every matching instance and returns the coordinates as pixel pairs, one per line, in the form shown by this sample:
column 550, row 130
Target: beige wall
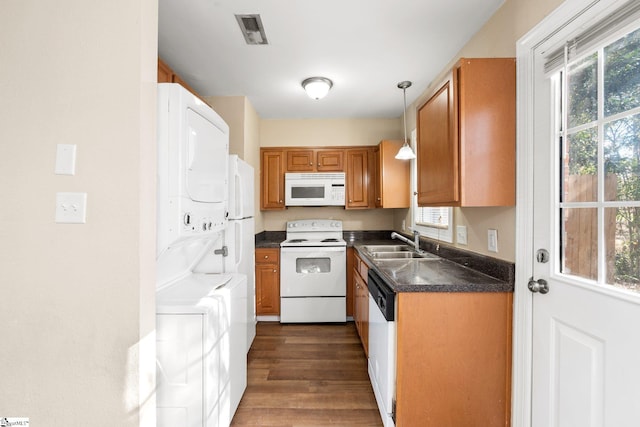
column 327, row 132
column 244, row 137
column 357, row 219
column 78, row 301
column 496, row 39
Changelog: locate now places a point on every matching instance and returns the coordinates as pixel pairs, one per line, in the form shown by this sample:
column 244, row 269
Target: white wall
column 77, row 301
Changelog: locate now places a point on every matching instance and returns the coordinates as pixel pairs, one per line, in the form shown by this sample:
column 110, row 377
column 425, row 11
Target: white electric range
column 313, row 281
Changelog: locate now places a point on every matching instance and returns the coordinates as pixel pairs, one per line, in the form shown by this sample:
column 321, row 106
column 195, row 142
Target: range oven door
column 313, row 271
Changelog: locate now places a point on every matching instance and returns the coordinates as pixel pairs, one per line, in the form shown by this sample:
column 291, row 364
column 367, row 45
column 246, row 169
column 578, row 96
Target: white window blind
column 432, row 217
column 586, row 40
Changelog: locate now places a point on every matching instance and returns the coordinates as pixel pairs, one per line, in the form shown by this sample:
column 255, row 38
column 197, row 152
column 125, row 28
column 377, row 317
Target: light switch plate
column 71, row 208
column 65, row 159
column 461, row 234
column 492, row 240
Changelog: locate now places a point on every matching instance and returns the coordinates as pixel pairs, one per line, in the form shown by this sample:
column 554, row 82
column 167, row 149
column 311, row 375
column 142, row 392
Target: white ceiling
column 365, row 46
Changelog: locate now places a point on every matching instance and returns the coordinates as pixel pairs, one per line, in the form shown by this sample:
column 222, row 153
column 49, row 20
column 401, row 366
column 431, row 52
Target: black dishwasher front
column 382, row 294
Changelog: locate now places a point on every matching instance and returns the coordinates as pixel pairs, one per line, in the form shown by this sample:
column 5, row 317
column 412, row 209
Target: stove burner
column 296, row 240
column 329, row 240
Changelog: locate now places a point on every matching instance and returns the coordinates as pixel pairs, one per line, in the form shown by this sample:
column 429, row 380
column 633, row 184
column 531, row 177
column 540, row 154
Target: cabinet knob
column 378, row 198
column 350, row 201
column 310, row 163
column 280, row 201
column 275, row 271
column 266, row 257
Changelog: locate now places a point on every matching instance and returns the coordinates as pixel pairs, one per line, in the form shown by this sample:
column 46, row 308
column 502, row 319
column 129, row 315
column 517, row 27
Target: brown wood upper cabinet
column 167, row 75
column 466, row 137
column 391, row 176
column 272, row 179
column 315, row 160
column 357, row 163
column 360, row 178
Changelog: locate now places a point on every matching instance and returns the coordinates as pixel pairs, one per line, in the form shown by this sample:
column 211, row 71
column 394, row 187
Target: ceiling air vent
column 252, row 29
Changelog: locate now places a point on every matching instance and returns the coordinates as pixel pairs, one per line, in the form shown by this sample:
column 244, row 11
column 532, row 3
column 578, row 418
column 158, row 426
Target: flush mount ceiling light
column 405, row 152
column 252, row 29
column 317, row 87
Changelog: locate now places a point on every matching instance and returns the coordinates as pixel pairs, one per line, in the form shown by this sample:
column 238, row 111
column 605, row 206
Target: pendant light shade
column 317, row 87
column 405, row 152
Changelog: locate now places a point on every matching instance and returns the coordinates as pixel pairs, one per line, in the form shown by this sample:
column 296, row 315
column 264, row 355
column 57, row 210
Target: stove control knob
column 314, row 224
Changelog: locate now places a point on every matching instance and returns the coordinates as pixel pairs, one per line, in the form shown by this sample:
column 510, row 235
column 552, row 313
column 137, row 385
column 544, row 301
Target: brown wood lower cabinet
column 361, row 301
column 267, row 281
column 453, row 359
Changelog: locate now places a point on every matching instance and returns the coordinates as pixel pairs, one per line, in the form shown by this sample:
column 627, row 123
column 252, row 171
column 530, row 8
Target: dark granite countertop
column 450, row 269
column 270, row 239
column 432, row 274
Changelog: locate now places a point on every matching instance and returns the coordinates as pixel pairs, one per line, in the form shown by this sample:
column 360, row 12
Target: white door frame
column 555, row 23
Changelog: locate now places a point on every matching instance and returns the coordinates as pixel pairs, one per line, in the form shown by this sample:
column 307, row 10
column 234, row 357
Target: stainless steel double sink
column 395, row 252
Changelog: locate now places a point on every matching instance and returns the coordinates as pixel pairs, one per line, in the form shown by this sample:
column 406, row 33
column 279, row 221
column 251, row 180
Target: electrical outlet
column 461, row 234
column 71, row 208
column 492, row 240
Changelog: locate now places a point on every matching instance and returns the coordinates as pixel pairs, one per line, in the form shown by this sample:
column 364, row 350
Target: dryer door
column 205, row 159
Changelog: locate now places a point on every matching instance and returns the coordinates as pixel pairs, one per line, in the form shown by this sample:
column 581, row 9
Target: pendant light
column 405, row 152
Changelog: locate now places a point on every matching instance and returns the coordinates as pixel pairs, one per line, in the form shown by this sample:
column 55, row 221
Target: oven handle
column 298, row 249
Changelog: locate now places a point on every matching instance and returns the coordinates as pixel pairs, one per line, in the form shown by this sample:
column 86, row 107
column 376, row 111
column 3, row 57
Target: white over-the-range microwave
column 314, row 189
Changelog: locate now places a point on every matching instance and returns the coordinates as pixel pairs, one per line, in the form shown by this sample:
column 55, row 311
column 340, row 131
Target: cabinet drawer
column 268, row 256
column 361, row 268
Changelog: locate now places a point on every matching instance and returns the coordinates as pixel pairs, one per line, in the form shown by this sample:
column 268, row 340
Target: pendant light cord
column 404, row 113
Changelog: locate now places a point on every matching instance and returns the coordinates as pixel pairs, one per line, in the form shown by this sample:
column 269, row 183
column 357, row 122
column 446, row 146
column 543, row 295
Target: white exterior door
column 581, row 185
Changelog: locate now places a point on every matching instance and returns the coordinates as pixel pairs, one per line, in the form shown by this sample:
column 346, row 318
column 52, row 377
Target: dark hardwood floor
column 307, row 375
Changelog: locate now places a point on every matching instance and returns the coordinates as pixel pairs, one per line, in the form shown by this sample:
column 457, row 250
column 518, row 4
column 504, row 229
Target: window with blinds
column 432, row 217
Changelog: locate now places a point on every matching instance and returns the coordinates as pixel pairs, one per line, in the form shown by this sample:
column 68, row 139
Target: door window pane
column 622, row 237
column 621, row 76
column 583, row 91
column 581, row 161
column 580, row 242
column 622, row 155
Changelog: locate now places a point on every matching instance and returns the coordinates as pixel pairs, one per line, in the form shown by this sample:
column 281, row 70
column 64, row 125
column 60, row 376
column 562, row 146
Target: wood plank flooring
column 307, row 375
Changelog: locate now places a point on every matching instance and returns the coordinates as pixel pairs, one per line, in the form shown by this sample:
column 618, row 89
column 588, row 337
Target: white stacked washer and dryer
column 202, row 319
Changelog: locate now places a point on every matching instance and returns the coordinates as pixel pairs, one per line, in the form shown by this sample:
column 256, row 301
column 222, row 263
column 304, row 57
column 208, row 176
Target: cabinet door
column 351, row 260
column 486, row 99
column 438, row 151
column 330, row 160
column 272, row 180
column 362, row 310
column 392, row 177
column 267, row 289
column 358, row 179
column 300, row 161
column 377, row 178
